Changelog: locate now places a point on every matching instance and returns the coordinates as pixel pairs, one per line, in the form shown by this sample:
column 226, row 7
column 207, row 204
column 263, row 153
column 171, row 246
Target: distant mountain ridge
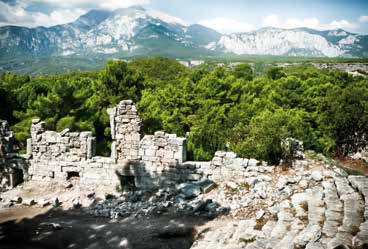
column 135, row 31
column 132, row 30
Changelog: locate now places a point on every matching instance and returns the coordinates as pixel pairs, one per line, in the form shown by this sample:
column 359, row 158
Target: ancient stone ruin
column 310, row 205
column 148, row 161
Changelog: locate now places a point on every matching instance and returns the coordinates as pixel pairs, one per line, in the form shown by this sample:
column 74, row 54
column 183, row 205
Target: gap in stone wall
column 72, row 174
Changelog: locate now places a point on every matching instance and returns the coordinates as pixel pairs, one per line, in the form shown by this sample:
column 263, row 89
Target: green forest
column 215, row 107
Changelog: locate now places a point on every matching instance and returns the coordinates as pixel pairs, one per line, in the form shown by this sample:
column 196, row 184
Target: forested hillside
column 216, row 108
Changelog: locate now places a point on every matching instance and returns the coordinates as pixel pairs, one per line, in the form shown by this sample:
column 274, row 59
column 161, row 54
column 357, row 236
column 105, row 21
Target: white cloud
column 65, row 11
column 313, row 23
column 363, row 19
column 227, row 25
column 104, row 4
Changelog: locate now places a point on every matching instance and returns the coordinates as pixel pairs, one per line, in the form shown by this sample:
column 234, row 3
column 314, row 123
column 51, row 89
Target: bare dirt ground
column 75, row 229
column 34, row 226
column 354, row 166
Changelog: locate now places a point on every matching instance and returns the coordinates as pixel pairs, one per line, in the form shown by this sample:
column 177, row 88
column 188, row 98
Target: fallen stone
column 68, row 185
column 76, row 203
column 303, row 184
column 207, row 186
column 189, row 190
column 56, row 226
column 29, row 202
column 259, row 214
column 16, row 199
column 198, row 205
column 232, row 185
column 317, row 175
column 281, row 183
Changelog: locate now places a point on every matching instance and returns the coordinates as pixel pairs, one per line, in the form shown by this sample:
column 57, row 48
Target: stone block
column 217, row 161
column 150, row 153
column 91, row 147
column 36, row 121
column 194, row 177
column 42, row 148
column 64, row 132
column 168, row 154
column 170, row 162
column 159, row 134
column 220, row 154
column 252, row 162
column 73, row 134
column 29, row 146
column 85, row 134
column 228, row 161
column 64, row 140
column 230, row 154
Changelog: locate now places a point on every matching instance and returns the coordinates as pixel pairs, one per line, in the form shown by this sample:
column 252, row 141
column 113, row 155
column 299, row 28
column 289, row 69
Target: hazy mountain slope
column 293, row 42
column 136, row 31
column 105, row 32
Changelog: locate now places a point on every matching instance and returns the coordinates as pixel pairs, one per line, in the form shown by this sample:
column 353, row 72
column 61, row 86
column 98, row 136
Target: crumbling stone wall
column 125, row 131
column 6, row 140
column 149, row 161
column 57, row 154
column 11, row 165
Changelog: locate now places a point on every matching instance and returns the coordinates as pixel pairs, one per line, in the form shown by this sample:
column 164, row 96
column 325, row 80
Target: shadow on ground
column 76, row 229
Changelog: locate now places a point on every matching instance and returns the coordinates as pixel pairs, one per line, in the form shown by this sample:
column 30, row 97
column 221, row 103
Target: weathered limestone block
column 316, row 207
column 334, row 209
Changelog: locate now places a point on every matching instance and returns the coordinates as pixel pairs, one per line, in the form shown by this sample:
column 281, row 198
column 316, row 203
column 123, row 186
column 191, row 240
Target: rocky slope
column 294, row 42
column 313, row 207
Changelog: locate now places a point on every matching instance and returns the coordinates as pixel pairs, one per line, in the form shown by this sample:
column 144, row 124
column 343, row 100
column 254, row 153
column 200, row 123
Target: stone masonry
column 11, row 165
column 125, row 131
column 150, row 160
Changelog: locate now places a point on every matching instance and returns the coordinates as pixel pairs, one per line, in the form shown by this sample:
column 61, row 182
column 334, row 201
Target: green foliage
column 343, row 116
column 215, row 107
column 275, row 73
column 262, row 137
column 243, row 71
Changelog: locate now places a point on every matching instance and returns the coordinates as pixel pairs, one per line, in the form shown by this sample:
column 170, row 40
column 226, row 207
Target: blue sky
column 224, row 15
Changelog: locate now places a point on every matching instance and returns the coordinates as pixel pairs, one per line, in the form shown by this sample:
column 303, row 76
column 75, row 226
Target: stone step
column 282, row 226
column 311, row 233
column 315, row 245
column 361, row 184
column 316, row 206
column 244, row 230
column 353, row 213
column 361, row 238
column 287, row 241
column 262, row 237
column 334, row 209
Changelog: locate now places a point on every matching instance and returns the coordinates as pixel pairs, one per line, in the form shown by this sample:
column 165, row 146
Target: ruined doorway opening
column 72, row 174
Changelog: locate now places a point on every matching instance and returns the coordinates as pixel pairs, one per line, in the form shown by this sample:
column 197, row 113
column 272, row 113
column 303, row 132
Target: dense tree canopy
column 216, row 108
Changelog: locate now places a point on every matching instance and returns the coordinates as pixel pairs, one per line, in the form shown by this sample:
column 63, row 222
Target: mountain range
column 136, row 31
